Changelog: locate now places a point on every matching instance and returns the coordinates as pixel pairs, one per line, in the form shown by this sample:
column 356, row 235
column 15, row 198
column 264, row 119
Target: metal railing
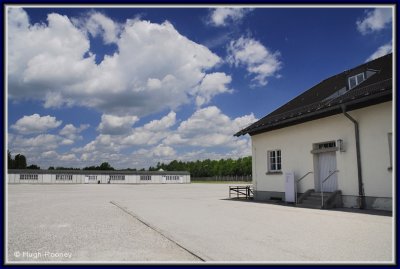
column 241, row 191
column 322, row 187
column 297, row 182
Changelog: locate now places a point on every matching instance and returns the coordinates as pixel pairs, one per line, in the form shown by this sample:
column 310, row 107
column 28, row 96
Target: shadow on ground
column 351, row 210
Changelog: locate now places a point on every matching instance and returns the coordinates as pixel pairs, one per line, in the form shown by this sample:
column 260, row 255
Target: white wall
column 80, row 179
column 295, row 143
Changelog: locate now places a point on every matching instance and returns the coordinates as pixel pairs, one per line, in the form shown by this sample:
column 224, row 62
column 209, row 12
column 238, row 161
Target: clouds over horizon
column 159, row 140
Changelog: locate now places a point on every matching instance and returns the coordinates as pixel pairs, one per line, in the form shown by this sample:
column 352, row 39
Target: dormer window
column 355, row 80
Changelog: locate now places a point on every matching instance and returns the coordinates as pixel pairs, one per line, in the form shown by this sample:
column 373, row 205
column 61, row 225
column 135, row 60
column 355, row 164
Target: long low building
column 18, row 176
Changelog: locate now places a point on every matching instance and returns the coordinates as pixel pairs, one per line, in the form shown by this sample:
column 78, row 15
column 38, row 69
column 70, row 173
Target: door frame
column 328, row 146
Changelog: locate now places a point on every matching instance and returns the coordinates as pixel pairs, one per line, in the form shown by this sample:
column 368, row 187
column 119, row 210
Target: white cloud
column 99, row 24
column 209, row 127
column 111, row 124
column 71, row 132
column 255, row 57
column 211, row 85
column 375, row 20
column 68, row 157
column 153, row 68
column 37, row 144
column 152, row 132
column 221, row 16
column 35, row 124
column 381, row 51
column 161, row 141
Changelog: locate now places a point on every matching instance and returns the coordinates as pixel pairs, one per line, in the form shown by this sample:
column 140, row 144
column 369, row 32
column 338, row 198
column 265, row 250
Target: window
column 145, row 177
column 92, row 177
column 63, row 177
column 28, row 177
column 390, row 149
column 117, row 177
column 172, row 177
column 274, row 161
column 355, row 80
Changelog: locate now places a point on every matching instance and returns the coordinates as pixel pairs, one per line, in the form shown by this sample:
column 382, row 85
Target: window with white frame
column 172, row 177
column 355, row 80
column 28, row 177
column 145, row 177
column 274, row 161
column 92, row 177
column 117, row 177
column 63, row 177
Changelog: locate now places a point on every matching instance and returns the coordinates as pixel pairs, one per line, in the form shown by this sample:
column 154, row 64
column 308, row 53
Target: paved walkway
column 192, row 222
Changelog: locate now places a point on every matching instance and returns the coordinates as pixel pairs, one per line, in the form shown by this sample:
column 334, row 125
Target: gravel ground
column 185, row 223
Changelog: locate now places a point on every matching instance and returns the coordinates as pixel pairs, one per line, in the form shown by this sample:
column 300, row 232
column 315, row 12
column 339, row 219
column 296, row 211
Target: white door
column 326, row 165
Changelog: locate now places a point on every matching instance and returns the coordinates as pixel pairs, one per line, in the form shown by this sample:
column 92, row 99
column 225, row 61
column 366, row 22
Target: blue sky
column 137, row 86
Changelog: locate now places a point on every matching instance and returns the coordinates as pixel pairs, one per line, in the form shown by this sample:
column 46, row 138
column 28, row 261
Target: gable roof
column 329, row 96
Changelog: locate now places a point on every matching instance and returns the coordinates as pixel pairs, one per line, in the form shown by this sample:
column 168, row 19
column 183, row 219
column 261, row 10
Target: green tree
column 10, row 161
column 106, row 166
column 20, row 161
column 33, row 166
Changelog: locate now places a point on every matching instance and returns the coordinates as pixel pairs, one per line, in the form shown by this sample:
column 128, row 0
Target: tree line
column 204, row 168
column 19, row 162
column 209, row 168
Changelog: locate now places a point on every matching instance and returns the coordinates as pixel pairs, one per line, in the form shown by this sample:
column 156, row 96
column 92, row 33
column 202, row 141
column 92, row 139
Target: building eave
column 317, row 112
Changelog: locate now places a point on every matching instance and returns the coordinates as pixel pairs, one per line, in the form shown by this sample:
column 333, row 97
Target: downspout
column 361, row 194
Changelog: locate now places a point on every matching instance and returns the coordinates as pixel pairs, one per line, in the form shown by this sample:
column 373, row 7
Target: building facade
column 18, row 176
column 336, row 139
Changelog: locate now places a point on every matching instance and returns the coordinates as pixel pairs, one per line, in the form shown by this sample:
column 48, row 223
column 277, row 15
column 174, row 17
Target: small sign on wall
column 289, row 187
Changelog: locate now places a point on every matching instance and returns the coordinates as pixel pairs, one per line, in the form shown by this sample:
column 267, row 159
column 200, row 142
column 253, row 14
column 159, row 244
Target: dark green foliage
column 33, row 166
column 64, row 168
column 10, row 161
column 209, row 168
column 19, row 162
column 103, row 166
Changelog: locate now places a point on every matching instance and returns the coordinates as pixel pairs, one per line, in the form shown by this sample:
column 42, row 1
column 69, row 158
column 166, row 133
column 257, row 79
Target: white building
column 96, row 177
column 335, row 137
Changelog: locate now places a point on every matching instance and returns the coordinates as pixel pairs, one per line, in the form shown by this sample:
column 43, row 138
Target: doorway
column 326, row 166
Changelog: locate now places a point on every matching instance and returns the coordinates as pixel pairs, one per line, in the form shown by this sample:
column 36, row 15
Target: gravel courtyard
column 182, row 223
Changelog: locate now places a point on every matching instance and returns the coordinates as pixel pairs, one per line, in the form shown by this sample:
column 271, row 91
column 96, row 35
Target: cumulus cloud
column 151, row 133
column 257, row 59
column 99, row 24
column 209, row 127
column 162, row 140
column 71, row 132
column 211, row 85
column 111, row 124
column 223, row 16
column 35, row 124
column 375, row 20
column 381, row 51
column 37, row 144
column 153, row 68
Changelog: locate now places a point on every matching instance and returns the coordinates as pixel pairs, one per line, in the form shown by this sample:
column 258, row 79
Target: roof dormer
column 355, row 80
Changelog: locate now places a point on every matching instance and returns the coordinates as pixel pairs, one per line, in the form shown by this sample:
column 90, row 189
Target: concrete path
column 190, row 222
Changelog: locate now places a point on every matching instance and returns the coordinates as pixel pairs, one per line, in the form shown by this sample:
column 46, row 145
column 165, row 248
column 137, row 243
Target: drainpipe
column 361, row 194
